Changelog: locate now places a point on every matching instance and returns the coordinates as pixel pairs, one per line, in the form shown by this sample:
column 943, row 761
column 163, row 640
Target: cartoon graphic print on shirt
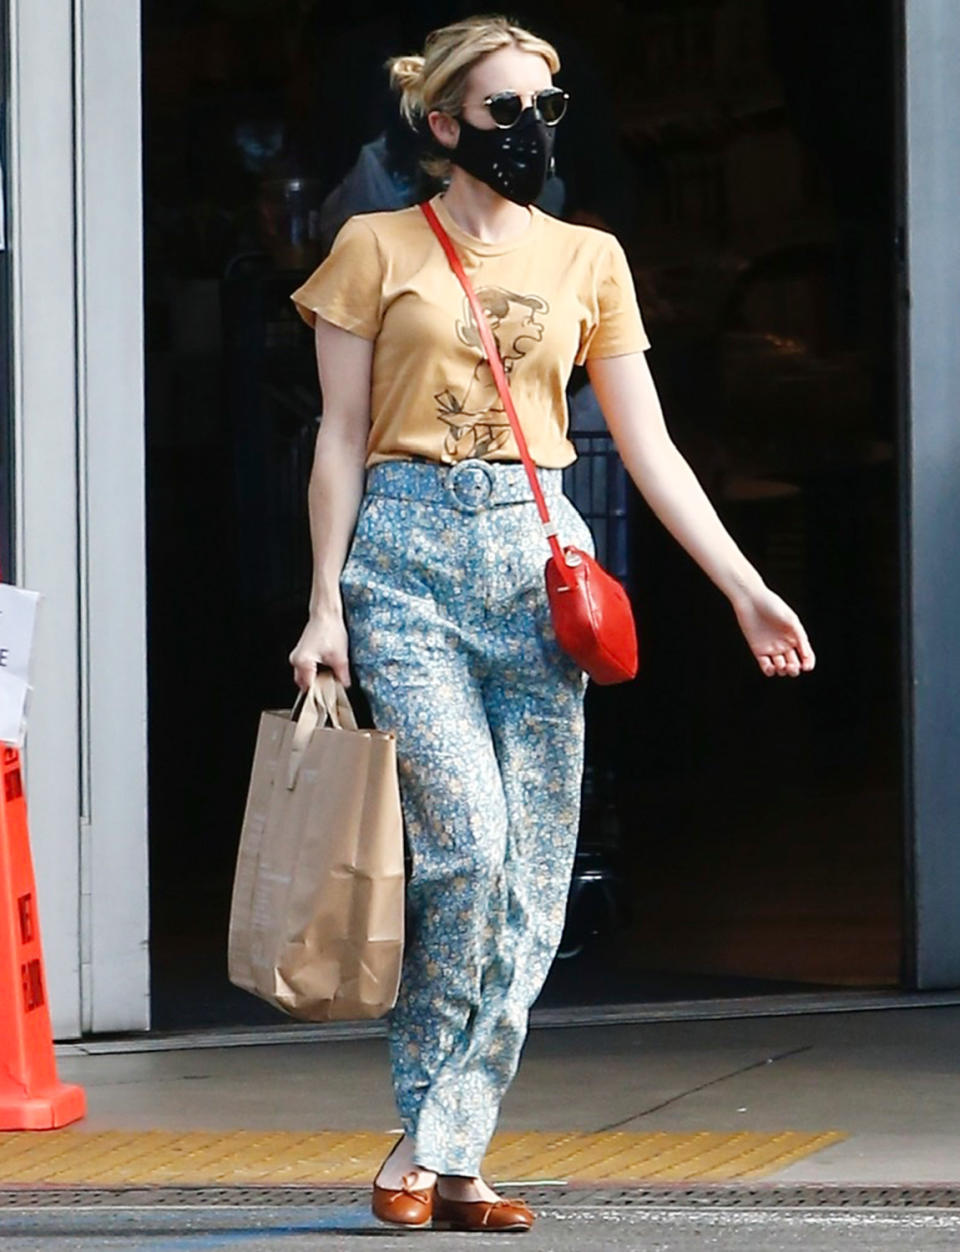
column 476, row 422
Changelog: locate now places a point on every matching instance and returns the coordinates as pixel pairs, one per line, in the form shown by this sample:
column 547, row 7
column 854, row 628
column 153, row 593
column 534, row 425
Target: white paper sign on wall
column 18, row 611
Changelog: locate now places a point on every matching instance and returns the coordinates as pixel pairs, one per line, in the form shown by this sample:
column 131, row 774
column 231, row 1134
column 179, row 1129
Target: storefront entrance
column 740, row 835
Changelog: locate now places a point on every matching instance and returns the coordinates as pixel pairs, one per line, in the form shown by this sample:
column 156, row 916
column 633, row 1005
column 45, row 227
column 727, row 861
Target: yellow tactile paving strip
column 242, row 1157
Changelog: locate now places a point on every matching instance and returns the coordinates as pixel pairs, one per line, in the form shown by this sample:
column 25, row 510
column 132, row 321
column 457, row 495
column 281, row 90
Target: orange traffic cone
column 31, row 1097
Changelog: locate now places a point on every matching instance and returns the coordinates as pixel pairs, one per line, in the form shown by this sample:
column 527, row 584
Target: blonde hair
column 438, row 78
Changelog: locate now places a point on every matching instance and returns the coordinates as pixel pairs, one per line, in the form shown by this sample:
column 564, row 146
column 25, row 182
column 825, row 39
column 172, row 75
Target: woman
column 428, row 550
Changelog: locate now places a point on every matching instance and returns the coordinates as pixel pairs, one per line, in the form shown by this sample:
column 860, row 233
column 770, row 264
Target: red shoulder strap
column 499, row 377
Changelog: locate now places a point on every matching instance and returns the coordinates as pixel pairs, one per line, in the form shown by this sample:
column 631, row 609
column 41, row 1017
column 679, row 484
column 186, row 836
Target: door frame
column 929, row 169
column 77, row 413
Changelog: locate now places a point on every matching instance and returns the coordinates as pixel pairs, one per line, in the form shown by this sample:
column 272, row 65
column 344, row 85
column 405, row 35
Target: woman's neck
column 481, row 212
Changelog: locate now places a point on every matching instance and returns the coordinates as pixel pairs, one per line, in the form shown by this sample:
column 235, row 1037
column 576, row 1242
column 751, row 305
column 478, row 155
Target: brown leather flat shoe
column 404, row 1207
column 505, row 1215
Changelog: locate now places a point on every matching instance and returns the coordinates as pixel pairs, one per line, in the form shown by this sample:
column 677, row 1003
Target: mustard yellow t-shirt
column 556, row 295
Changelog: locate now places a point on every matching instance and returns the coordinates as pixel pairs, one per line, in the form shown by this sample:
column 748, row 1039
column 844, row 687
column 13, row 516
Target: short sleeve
column 346, row 288
column 618, row 327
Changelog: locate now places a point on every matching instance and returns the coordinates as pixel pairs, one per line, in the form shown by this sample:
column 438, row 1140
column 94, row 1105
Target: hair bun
column 406, row 76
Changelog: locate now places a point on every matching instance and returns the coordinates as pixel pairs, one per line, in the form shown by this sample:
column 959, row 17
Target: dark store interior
column 739, row 835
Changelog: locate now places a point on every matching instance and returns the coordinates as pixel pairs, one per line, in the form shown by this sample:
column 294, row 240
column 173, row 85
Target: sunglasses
column 505, row 107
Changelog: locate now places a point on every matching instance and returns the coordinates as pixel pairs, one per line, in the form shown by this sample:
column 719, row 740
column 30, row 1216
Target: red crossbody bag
column 591, row 613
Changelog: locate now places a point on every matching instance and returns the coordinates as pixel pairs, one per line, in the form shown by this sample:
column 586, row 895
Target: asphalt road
column 606, row 1229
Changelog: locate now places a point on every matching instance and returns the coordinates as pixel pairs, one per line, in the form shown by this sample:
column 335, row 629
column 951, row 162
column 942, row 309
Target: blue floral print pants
column 452, row 642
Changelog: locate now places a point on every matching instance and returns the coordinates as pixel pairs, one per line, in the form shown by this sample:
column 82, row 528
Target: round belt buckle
column 471, row 483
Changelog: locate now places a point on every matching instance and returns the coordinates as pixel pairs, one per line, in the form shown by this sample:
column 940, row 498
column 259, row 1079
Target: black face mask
column 515, row 161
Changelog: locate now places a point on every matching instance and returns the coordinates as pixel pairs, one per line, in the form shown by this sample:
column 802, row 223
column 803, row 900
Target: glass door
column 739, row 834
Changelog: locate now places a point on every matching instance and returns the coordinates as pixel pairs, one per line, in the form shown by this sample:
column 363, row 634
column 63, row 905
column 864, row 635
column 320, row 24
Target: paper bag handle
column 323, row 701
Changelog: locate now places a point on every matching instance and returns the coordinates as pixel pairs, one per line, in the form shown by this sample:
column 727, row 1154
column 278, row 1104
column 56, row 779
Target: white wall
column 43, row 327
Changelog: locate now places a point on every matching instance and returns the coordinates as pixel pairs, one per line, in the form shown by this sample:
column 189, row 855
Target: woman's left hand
column 774, row 633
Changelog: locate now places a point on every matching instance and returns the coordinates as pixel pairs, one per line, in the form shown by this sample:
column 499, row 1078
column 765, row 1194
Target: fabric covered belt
column 469, row 485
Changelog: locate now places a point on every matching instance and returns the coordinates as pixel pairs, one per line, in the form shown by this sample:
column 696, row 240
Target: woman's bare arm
column 630, row 404
column 334, row 494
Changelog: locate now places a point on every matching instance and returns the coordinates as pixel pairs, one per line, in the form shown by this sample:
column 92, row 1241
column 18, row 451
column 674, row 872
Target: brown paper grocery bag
column 316, row 919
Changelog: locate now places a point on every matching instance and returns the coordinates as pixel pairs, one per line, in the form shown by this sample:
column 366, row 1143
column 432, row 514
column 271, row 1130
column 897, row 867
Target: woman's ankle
column 399, row 1170
column 465, row 1187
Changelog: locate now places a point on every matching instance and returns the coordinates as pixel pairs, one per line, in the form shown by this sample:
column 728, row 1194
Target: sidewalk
column 873, row 1097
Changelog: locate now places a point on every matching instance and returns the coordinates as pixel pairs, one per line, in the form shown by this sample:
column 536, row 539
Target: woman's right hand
column 323, row 642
